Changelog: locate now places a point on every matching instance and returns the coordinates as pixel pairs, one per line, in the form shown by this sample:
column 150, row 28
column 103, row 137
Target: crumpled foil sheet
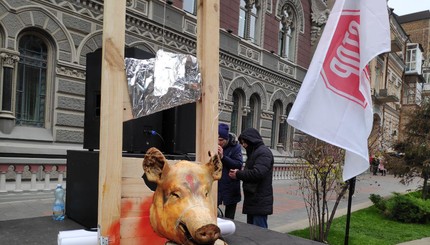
column 163, row 82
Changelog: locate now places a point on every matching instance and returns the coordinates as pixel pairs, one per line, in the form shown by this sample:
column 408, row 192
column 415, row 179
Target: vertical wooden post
column 208, row 56
column 111, row 119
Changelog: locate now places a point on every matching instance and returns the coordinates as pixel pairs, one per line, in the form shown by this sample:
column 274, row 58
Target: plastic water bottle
column 58, row 207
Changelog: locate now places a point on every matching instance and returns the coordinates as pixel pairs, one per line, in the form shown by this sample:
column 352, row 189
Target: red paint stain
column 190, row 180
column 113, row 233
column 126, row 207
column 144, row 232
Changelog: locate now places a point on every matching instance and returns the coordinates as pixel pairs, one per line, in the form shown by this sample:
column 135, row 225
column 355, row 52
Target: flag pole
column 351, row 187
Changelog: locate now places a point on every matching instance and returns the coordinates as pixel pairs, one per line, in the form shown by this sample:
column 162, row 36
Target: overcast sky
column 402, row 7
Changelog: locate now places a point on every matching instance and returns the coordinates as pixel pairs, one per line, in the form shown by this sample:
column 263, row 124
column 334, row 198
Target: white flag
column 334, row 103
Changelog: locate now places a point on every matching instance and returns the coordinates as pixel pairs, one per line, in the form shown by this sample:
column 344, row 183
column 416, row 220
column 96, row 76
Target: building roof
column 423, row 15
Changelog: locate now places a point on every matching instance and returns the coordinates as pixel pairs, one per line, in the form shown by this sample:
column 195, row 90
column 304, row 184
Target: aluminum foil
column 163, row 82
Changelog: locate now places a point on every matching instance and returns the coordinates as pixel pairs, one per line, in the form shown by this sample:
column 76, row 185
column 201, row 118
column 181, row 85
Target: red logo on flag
column 341, row 67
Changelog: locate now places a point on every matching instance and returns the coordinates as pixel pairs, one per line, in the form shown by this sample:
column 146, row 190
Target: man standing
column 256, row 177
column 230, row 153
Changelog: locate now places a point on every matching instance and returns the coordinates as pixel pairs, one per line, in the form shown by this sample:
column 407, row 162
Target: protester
column 230, row 153
column 256, row 177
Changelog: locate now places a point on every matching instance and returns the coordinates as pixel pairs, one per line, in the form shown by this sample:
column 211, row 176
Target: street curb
column 304, row 223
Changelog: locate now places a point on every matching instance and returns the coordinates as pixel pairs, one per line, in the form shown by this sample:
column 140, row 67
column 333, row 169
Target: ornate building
column 265, row 50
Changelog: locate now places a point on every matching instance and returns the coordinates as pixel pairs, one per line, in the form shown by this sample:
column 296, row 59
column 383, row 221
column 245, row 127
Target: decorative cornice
column 9, row 57
column 267, row 115
column 258, row 72
column 70, row 70
column 225, row 106
column 156, row 33
column 249, row 53
column 89, row 8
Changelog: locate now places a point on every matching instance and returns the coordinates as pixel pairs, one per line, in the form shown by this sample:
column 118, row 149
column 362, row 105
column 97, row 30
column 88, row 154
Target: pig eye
column 207, row 194
column 174, row 194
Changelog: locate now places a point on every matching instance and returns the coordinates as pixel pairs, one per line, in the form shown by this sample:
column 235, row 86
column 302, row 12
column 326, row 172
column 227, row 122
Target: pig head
column 182, row 209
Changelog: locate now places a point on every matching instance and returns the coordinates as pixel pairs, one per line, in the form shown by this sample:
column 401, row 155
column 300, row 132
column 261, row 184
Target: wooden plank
column 208, row 57
column 136, row 199
column 111, row 119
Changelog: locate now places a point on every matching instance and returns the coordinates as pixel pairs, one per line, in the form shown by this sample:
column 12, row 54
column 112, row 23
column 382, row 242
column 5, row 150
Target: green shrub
column 378, row 201
column 409, row 208
column 406, row 209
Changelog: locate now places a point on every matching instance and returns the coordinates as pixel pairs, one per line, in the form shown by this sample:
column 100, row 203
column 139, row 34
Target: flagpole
column 348, row 214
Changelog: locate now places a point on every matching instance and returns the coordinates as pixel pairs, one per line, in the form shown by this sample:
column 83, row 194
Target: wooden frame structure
column 118, row 186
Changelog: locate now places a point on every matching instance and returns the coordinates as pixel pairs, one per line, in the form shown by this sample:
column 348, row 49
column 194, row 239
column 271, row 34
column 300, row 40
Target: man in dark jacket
column 230, row 153
column 256, row 177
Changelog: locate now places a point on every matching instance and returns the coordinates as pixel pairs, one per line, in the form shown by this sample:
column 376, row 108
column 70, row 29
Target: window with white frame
column 413, row 59
column 249, row 20
column 287, row 33
column 190, row 6
column 31, row 84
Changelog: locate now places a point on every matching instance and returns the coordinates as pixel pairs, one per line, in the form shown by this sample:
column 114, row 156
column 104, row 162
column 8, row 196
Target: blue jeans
column 258, row 220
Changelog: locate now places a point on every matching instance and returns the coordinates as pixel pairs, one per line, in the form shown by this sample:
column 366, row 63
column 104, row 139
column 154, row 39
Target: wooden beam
column 208, row 57
column 111, row 119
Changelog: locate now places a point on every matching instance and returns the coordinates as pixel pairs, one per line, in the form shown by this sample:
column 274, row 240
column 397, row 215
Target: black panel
column 82, row 187
column 143, row 133
column 179, row 129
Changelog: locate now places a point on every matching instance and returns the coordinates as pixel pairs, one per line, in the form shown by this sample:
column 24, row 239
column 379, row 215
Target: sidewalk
column 289, row 209
column 290, row 212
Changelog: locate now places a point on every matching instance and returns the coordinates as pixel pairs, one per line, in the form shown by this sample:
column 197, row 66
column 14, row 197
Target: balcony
column 396, row 45
column 384, row 96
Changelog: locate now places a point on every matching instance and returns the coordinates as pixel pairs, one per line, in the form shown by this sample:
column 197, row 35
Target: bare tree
column 321, row 182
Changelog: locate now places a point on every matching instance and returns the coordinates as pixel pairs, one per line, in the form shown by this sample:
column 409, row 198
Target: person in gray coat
column 256, row 178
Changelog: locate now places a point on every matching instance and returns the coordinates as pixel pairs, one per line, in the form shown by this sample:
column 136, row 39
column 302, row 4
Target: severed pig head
column 182, row 209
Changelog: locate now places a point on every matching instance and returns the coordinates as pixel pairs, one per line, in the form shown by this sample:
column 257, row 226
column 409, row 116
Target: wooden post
column 111, row 119
column 208, row 57
column 115, row 107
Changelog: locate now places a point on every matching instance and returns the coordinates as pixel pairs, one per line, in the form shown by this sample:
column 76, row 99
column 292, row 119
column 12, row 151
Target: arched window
column 287, row 33
column 237, row 113
column 250, row 20
column 252, row 118
column 31, row 85
column 276, row 123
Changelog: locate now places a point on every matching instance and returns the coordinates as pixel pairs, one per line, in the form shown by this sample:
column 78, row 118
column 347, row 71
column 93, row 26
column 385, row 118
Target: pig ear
column 153, row 164
column 215, row 165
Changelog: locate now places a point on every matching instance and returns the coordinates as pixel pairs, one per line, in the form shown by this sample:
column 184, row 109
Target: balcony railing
column 385, row 96
column 45, row 177
column 31, row 177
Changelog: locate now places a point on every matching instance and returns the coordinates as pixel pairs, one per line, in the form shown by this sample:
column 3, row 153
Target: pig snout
column 207, row 234
column 198, row 225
